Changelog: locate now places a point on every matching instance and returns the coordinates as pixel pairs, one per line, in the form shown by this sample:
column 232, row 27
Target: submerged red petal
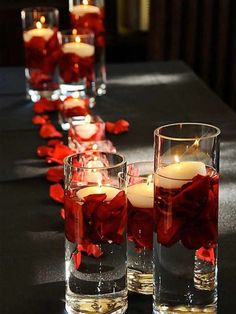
column 206, row 255
column 62, row 213
column 48, row 130
column 56, row 192
column 77, row 259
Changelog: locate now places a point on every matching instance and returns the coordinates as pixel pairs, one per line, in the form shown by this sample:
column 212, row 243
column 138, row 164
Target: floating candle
column 141, row 194
column 108, row 190
column 39, row 31
column 175, row 175
column 81, row 49
column 82, row 9
column 73, row 102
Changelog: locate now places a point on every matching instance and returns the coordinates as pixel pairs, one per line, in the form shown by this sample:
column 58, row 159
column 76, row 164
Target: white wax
column 176, row 175
column 108, row 190
column 86, row 130
column 73, row 102
column 46, row 33
column 82, row 9
column 141, row 195
column 80, row 49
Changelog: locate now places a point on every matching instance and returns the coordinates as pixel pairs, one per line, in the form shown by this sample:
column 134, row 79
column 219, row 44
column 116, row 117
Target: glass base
column 35, row 95
column 115, row 303
column 182, row 309
column 139, row 282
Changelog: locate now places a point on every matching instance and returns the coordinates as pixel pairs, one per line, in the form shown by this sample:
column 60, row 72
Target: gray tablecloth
column 31, row 246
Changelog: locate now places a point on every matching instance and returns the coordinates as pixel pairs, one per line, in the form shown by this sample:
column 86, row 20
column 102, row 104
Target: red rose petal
column 43, row 150
column 40, row 119
column 118, row 127
column 207, row 255
column 48, row 130
column 62, row 213
column 54, row 142
column 56, row 192
column 44, row 104
column 77, row 259
column 55, row 174
column 59, row 153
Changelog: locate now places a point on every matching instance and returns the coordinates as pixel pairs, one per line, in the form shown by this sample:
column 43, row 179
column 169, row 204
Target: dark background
column 200, row 32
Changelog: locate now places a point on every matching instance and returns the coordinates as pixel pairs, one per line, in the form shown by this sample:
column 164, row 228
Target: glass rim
column 67, row 163
column 140, row 162
column 41, row 9
column 68, row 33
column 217, row 131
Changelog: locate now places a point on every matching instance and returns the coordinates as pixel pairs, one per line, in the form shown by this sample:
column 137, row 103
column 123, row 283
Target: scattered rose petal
column 44, row 104
column 117, row 127
column 55, row 174
column 54, row 142
column 40, row 119
column 48, row 130
column 43, row 150
column 56, row 192
column 59, row 153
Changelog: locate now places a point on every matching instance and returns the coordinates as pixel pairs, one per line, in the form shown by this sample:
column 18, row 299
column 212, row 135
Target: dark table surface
column 31, row 230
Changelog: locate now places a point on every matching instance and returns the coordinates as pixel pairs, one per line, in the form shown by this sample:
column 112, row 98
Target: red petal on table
column 48, row 130
column 118, row 127
column 77, row 259
column 55, row 174
column 44, row 104
column 40, row 119
column 58, row 154
column 206, row 255
column 62, row 213
column 43, row 150
column 56, row 192
column 54, row 142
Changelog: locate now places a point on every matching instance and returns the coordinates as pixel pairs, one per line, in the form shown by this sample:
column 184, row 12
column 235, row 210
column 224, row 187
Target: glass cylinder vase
column 90, row 14
column 140, row 194
column 186, row 180
column 95, row 229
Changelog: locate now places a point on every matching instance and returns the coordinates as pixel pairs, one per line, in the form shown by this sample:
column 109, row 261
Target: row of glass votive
column 62, row 63
column 179, row 202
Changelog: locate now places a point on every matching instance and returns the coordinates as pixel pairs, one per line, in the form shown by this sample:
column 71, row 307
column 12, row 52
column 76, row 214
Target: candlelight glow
column 85, row 2
column 94, row 147
column 149, row 179
column 39, row 25
column 176, row 158
column 74, row 31
column 87, row 119
column 77, row 39
column 196, row 143
column 42, row 19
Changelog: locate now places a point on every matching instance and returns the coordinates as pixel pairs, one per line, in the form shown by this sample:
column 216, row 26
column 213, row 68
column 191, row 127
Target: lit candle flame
column 176, row 158
column 74, row 31
column 77, row 39
column 149, row 179
column 94, row 147
column 39, row 25
column 85, row 2
column 196, row 143
column 42, row 19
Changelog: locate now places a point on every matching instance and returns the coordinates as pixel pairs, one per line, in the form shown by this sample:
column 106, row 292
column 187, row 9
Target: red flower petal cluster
column 188, row 214
column 140, row 226
column 40, row 119
column 56, row 192
column 94, row 22
column 73, row 68
column 89, row 249
column 44, row 104
column 55, row 174
column 48, row 130
column 118, row 127
column 96, row 220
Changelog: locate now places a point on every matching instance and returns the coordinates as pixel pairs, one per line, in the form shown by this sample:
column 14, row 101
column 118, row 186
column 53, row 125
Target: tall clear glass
column 140, row 194
column 76, row 65
column 186, row 183
column 90, row 14
column 42, row 51
column 95, row 229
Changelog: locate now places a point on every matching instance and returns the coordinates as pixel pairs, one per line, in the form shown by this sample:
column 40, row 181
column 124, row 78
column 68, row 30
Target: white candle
column 175, row 175
column 141, row 194
column 73, row 102
column 45, row 33
column 86, row 130
column 108, row 190
column 82, row 50
column 82, row 9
